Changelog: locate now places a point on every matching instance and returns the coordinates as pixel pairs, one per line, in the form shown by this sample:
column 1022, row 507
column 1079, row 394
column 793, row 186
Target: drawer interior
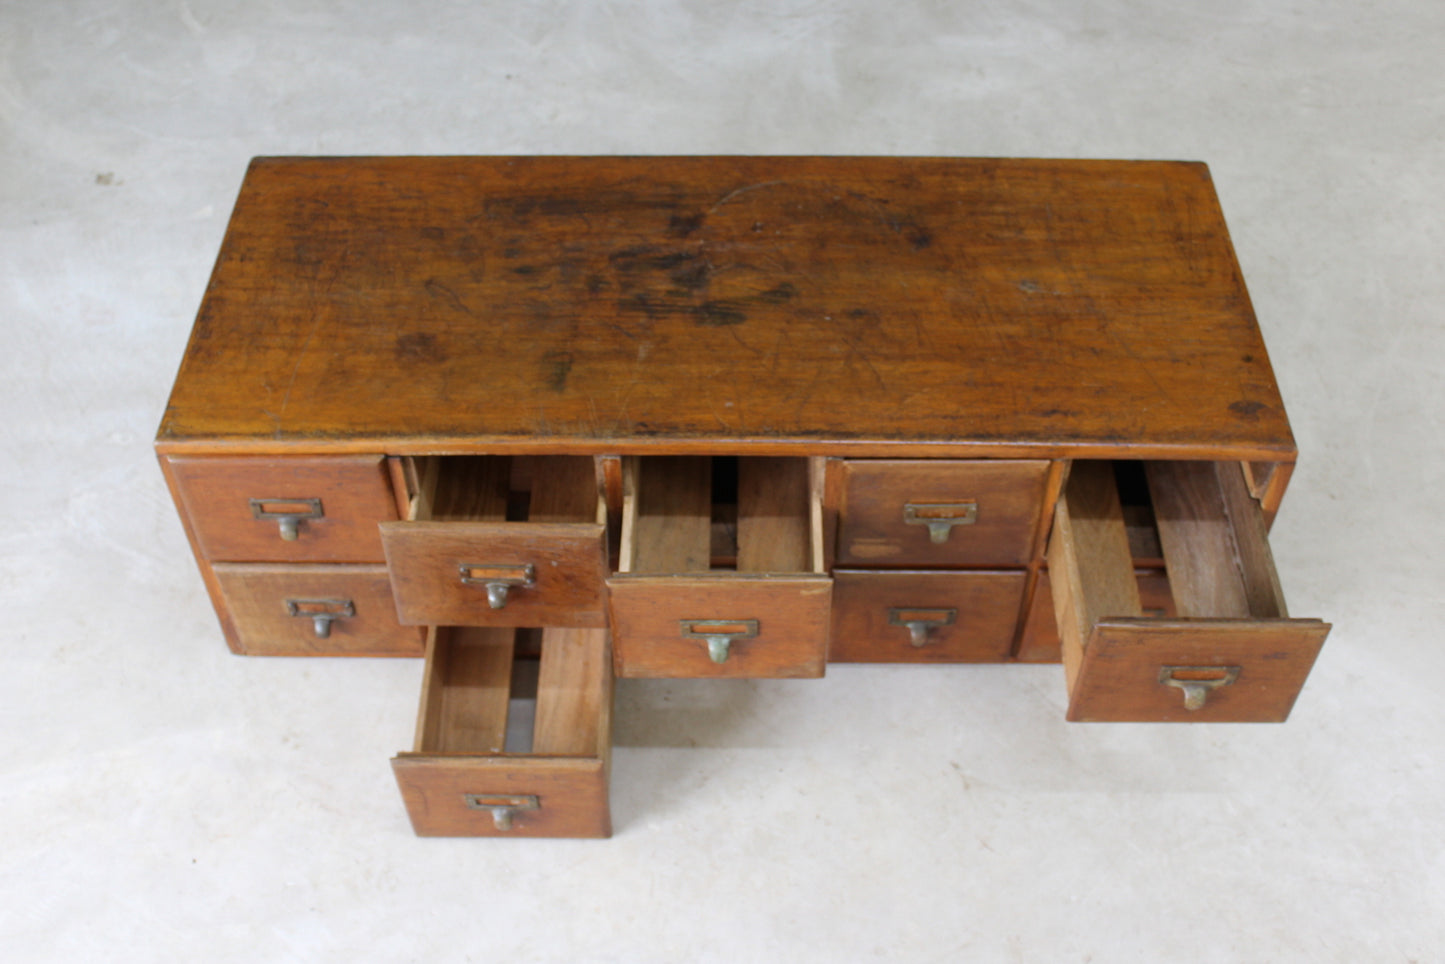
column 700, row 514
column 508, row 742
column 1231, row 652
column 501, row 488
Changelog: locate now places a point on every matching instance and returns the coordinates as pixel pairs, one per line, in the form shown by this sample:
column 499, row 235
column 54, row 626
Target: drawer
column 1231, row 654
column 314, row 610
column 924, row 617
column 1040, row 643
column 324, row 509
column 502, row 542
column 939, row 512
column 721, row 569
column 471, row 774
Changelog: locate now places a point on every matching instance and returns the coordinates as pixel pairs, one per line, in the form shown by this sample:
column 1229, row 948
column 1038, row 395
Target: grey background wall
column 162, row 800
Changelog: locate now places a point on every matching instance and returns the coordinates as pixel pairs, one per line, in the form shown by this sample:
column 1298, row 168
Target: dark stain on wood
column 691, row 276
column 446, row 295
column 716, row 314
column 556, row 366
column 419, row 346
column 1249, row 411
column 682, row 225
column 779, row 294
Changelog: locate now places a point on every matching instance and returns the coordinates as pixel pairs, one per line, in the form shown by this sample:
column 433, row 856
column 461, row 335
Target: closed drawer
column 1232, row 654
column 314, row 610
column 324, row 509
column 1040, row 643
column 721, row 569
column 939, row 512
column 470, row 774
column 503, row 542
column 924, row 617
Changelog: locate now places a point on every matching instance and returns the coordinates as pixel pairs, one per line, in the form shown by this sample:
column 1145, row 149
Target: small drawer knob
column 321, row 612
column 1197, row 682
column 920, row 622
column 503, row 807
column 498, row 579
column 288, row 514
column 940, row 517
column 719, row 634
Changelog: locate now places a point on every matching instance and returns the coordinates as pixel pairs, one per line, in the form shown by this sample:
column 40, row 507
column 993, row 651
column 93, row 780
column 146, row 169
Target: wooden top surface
column 873, row 306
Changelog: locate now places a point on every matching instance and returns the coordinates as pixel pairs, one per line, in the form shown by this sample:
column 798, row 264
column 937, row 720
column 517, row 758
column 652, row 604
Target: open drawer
column 721, row 569
column 471, row 775
column 1231, row 655
column 501, row 541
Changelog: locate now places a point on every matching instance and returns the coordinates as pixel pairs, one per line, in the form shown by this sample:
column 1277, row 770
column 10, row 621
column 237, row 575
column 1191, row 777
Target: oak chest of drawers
column 546, row 422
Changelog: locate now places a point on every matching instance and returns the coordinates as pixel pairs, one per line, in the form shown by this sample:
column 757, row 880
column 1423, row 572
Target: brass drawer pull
column 921, row 621
column 719, row 634
column 503, row 806
column 940, row 517
column 499, row 580
column 1195, row 683
column 321, row 612
column 288, row 514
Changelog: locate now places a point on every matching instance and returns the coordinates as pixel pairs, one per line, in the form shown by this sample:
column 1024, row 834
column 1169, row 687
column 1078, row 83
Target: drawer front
column 1040, row 642
column 1198, row 671
column 480, row 796
column 924, row 617
column 286, row 509
column 498, row 573
column 315, row 610
column 720, row 626
column 939, row 512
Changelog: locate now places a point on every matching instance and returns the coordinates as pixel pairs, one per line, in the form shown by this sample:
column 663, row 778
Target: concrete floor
column 162, row 800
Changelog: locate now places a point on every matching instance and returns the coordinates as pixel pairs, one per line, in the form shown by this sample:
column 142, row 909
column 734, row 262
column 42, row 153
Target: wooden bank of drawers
column 730, row 417
column 1162, row 603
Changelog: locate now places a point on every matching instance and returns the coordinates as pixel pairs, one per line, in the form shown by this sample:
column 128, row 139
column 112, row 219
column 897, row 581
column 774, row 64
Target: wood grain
column 470, row 489
column 467, row 689
column 774, row 515
column 1092, row 573
column 785, row 305
column 564, row 489
column 1039, row 640
column 671, row 524
column 1197, row 537
column 574, row 694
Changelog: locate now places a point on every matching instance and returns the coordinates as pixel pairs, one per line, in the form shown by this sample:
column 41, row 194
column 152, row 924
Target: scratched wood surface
column 880, row 306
